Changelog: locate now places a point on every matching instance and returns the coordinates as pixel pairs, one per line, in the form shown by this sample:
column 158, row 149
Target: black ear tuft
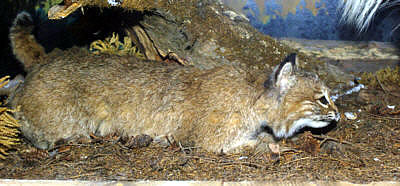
column 267, row 83
column 291, row 58
column 290, row 61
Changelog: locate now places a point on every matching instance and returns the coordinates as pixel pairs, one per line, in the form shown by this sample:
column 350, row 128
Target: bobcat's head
column 300, row 100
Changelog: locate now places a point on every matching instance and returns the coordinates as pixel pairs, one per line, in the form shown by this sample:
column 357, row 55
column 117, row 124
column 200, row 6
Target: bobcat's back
column 65, row 100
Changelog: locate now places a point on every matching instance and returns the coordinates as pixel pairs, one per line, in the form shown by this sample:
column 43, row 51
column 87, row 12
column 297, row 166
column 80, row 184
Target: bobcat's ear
column 283, row 75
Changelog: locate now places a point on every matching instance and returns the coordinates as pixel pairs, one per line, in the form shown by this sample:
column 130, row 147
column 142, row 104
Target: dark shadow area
column 319, row 131
column 78, row 29
column 82, row 28
column 8, row 10
column 267, row 129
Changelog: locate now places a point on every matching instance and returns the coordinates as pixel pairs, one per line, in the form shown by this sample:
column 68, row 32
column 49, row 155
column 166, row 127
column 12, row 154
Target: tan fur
column 23, row 43
column 215, row 109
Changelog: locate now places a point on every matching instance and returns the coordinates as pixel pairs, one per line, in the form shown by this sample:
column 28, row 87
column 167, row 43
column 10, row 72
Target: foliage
column 8, row 127
column 46, row 5
column 112, row 45
column 386, row 76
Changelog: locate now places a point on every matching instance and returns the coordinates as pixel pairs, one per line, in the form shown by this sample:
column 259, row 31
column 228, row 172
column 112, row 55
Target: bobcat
column 216, row 109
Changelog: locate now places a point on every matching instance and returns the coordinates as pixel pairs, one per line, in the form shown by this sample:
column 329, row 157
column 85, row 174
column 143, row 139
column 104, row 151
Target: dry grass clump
column 386, row 76
column 8, row 126
column 112, row 45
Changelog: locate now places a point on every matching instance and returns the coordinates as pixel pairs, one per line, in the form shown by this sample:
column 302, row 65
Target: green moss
column 201, row 19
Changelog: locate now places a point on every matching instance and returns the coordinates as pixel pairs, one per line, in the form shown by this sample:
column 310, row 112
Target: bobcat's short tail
column 360, row 13
column 24, row 45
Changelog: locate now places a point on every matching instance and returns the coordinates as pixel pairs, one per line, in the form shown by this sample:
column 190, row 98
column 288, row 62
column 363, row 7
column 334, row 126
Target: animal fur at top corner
column 361, row 13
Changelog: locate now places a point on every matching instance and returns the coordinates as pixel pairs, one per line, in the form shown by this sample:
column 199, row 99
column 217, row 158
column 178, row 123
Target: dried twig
column 243, row 163
column 300, row 159
column 211, row 160
column 381, row 85
column 316, row 157
column 83, row 175
column 326, row 138
column 384, row 117
column 286, row 149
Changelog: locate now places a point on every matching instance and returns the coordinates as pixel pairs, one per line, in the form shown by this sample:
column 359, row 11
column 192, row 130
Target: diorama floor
column 361, row 148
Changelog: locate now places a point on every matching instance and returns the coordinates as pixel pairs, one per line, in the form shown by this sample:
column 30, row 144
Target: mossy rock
column 206, row 33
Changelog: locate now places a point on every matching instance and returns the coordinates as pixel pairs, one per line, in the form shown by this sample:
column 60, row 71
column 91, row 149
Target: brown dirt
column 362, row 150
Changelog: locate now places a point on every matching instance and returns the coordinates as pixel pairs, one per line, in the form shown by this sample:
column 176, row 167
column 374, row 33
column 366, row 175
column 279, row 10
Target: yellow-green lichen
column 8, row 127
column 112, row 45
column 386, row 76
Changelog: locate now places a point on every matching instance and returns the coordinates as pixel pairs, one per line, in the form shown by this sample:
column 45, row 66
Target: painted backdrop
column 311, row 19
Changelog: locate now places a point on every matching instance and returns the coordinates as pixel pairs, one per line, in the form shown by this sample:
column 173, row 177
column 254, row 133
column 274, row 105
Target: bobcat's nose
column 337, row 118
column 333, row 115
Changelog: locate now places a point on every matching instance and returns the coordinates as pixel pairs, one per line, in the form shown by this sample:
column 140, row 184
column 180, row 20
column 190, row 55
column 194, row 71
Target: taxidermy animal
column 360, row 13
column 215, row 109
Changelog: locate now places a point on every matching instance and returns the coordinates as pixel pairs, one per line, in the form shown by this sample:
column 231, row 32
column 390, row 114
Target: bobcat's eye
column 323, row 101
